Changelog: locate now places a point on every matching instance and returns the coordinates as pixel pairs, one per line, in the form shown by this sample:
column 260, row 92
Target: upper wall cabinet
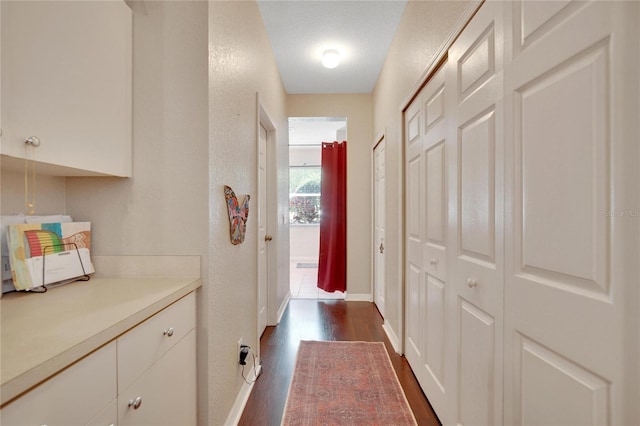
column 66, row 79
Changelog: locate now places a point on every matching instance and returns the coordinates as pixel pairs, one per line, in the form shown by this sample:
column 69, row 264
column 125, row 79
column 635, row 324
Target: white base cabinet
column 75, row 396
column 147, row 376
column 166, row 392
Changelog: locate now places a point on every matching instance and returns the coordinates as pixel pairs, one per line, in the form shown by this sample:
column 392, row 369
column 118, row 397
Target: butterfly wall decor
column 238, row 215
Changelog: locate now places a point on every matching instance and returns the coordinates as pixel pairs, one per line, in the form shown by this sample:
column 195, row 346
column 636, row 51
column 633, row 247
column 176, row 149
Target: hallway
column 321, row 320
column 303, row 278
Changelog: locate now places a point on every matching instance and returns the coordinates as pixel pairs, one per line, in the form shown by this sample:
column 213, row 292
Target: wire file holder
column 83, row 277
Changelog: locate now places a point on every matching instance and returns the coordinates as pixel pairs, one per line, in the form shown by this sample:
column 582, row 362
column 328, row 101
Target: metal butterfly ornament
column 238, row 215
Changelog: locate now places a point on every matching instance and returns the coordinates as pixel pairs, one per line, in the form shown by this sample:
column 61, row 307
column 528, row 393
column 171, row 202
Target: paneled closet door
column 427, row 196
column 414, row 291
column 571, row 318
column 434, row 224
column 476, row 254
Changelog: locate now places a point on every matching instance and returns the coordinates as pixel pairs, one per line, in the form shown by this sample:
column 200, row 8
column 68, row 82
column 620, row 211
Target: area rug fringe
column 316, row 404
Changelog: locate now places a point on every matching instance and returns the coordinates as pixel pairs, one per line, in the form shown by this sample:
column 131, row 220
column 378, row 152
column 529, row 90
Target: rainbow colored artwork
column 42, row 242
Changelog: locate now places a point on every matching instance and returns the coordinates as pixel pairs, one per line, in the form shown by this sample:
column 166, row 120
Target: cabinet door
column 572, row 249
column 166, row 392
column 66, row 78
column 475, row 282
column 107, row 417
column 142, row 346
column 73, row 397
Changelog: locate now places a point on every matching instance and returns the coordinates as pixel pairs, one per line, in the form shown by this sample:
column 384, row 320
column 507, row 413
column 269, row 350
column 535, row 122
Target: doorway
column 306, row 135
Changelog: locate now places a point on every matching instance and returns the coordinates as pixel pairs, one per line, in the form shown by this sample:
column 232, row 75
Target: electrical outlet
column 238, row 349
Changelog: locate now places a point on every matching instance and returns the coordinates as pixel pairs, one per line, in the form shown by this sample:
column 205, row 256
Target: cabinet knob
column 472, row 282
column 168, row 332
column 433, row 262
column 33, row 141
column 135, row 403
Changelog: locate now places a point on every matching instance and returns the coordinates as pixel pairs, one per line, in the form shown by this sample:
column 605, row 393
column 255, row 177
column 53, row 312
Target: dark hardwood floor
column 321, row 320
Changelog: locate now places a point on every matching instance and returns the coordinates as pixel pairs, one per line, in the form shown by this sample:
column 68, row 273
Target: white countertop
column 42, row 333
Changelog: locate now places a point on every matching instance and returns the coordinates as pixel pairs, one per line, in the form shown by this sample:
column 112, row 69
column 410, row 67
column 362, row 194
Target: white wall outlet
column 240, row 343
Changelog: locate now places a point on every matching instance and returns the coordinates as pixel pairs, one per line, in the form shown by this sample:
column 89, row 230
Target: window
column 304, row 194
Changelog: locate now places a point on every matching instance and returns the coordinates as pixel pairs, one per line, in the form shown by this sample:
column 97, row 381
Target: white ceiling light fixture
column 330, row 58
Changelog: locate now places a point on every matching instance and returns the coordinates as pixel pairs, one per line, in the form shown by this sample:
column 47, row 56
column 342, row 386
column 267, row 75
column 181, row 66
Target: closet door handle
column 381, row 248
column 135, row 403
column 472, row 282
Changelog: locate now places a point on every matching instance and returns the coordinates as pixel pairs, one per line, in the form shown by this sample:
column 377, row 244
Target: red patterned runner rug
column 345, row 383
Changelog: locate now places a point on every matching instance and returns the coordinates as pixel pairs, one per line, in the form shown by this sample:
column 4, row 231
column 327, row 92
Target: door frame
column 264, row 119
column 378, row 140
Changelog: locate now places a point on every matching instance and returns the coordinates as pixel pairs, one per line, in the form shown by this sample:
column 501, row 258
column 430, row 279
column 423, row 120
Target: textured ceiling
column 300, row 31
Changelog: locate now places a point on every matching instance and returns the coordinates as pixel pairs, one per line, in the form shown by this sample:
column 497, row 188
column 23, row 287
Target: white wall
column 163, row 208
column 358, row 110
column 50, row 193
column 424, row 27
column 240, row 64
column 304, row 241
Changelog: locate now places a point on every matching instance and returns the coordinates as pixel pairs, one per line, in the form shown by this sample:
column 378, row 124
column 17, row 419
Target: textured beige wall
column 163, row 208
column 424, row 27
column 358, row 110
column 240, row 64
column 50, row 193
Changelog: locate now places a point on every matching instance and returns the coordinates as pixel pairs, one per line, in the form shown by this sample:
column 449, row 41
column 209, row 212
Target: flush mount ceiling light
column 330, row 58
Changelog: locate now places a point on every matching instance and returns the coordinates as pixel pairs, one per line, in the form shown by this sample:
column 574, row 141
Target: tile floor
column 303, row 282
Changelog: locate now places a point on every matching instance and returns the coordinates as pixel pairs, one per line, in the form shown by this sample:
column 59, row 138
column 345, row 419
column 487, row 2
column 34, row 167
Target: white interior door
column 476, row 255
column 426, row 132
column 379, row 220
column 263, row 237
column 434, row 243
column 414, row 288
column 572, row 247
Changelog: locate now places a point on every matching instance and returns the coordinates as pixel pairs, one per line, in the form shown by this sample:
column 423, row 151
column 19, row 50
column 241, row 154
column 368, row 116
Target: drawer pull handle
column 472, row 283
column 168, row 332
column 433, row 262
column 135, row 403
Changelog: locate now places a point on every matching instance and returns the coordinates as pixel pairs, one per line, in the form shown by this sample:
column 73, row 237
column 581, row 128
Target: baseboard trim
column 363, row 297
column 243, row 396
column 283, row 307
column 395, row 342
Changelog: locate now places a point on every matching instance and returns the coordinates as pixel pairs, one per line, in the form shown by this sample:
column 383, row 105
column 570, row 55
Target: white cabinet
column 154, row 364
column 74, row 396
column 166, row 392
column 157, row 369
column 66, row 79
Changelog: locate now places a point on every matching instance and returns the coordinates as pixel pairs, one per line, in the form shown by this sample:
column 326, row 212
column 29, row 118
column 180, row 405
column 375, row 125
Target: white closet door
column 475, row 279
column 414, row 286
column 434, row 224
column 572, row 248
column 426, row 130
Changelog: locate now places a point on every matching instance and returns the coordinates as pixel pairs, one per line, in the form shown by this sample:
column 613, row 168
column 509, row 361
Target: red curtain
column 332, row 262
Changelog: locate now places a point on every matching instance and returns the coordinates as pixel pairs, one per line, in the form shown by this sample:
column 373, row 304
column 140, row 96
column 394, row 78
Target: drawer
column 143, row 345
column 72, row 397
column 166, row 393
